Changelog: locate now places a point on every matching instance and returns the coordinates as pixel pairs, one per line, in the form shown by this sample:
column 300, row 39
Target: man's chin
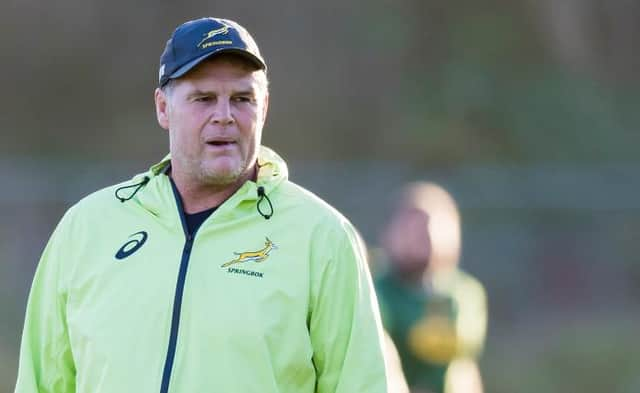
column 221, row 176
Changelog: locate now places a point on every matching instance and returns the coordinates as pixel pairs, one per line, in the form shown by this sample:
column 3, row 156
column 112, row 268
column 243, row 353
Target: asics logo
column 137, row 240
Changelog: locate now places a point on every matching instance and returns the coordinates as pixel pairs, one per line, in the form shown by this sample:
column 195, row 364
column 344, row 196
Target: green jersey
column 433, row 324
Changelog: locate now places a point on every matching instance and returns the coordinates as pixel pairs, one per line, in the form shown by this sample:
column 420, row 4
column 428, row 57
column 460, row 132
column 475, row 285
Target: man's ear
column 162, row 108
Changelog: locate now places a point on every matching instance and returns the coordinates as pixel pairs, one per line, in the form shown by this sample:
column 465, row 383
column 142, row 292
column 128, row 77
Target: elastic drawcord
column 138, row 186
column 264, row 197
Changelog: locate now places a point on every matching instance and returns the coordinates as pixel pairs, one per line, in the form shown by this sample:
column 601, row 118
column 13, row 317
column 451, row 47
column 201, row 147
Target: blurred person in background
column 435, row 313
column 211, row 272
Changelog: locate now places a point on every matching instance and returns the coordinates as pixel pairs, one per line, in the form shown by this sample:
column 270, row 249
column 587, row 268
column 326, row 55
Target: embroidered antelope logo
column 207, row 36
column 253, row 256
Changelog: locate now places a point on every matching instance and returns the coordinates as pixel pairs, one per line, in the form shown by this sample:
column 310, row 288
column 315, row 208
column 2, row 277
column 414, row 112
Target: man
column 211, row 272
column 434, row 312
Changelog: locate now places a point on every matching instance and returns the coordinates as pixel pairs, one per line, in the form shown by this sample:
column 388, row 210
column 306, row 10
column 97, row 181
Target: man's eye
column 242, row 99
column 203, row 99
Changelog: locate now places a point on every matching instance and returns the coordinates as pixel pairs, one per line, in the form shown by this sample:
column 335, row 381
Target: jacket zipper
column 177, row 300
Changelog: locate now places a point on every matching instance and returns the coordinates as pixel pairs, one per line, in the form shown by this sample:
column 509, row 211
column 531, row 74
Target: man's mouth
column 220, row 143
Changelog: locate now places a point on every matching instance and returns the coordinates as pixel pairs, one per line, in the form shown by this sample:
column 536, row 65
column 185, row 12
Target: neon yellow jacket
column 123, row 301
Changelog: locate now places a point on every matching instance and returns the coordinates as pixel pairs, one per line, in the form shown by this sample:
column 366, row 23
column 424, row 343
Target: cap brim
column 247, row 55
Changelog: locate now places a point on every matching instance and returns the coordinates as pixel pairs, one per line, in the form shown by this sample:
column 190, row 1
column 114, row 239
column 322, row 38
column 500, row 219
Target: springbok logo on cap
column 207, row 36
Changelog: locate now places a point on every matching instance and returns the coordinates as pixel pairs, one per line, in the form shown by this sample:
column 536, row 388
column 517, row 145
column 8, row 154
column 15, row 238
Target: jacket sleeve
column 46, row 363
column 344, row 325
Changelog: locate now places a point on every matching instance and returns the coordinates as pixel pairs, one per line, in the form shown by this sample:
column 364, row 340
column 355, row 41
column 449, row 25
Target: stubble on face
column 213, row 177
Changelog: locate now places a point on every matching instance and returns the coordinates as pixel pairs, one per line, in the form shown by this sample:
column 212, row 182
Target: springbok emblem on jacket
column 253, row 256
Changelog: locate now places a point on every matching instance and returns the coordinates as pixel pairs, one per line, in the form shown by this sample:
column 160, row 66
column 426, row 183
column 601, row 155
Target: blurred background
column 524, row 110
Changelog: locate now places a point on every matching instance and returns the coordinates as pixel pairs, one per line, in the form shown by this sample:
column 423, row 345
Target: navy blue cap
column 199, row 39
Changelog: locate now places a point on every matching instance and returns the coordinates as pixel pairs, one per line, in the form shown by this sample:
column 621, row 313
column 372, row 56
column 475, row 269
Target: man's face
column 407, row 240
column 214, row 115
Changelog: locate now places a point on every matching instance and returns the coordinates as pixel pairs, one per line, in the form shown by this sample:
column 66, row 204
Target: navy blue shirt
column 196, row 219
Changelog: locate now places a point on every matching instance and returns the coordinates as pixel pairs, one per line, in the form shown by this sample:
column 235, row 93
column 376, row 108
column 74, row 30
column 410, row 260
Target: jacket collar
column 272, row 169
column 157, row 196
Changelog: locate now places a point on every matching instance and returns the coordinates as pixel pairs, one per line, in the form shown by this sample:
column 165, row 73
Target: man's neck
column 198, row 197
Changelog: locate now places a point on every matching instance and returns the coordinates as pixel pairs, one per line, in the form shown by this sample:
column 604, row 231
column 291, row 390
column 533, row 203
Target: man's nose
column 222, row 114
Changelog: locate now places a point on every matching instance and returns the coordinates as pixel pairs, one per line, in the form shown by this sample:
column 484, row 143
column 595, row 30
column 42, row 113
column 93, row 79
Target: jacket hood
column 152, row 190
